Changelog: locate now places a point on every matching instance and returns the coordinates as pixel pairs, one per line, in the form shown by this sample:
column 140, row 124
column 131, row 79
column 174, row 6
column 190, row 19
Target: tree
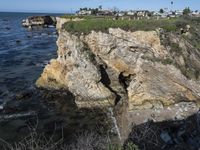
column 186, row 11
column 161, row 11
column 100, row 7
column 95, row 11
column 115, row 10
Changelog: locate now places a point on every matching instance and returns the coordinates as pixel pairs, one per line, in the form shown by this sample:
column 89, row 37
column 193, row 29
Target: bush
column 175, row 48
column 167, row 61
column 84, row 141
column 181, row 23
column 170, row 28
column 128, row 146
column 186, row 11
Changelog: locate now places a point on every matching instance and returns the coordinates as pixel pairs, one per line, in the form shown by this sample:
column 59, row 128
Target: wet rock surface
column 39, row 21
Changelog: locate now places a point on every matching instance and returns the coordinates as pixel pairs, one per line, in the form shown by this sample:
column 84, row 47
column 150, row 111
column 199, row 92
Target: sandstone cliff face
column 104, row 68
column 73, row 70
column 127, row 71
column 61, row 21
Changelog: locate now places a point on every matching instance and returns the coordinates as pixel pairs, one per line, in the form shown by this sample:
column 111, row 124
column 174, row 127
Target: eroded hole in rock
column 89, row 55
column 106, row 81
column 125, row 80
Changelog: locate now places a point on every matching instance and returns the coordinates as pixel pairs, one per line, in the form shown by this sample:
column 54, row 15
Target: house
column 120, row 14
column 131, row 13
column 105, row 13
column 195, row 14
column 178, row 13
column 85, row 12
column 142, row 14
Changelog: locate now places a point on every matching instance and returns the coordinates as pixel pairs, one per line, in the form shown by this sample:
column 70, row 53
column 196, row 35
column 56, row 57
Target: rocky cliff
column 127, row 71
column 39, row 21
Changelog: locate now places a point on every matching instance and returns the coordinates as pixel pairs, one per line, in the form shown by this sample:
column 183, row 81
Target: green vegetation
column 186, row 11
column 175, row 48
column 83, row 141
column 103, row 24
column 161, row 11
column 86, row 17
column 167, row 61
column 89, row 55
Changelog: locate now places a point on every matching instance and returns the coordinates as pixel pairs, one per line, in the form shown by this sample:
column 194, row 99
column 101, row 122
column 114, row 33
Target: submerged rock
column 166, row 138
column 24, row 95
column 18, row 41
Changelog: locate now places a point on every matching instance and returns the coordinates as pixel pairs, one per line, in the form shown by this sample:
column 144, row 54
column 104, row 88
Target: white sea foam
column 1, row 107
column 115, row 126
column 18, row 115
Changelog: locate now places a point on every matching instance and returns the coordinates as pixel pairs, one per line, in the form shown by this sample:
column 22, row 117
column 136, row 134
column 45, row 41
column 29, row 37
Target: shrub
column 175, row 48
column 167, row 61
column 186, row 11
column 170, row 28
column 128, row 146
column 84, row 141
column 181, row 23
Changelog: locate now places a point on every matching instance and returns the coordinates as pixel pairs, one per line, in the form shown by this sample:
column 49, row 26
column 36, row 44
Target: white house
column 85, row 12
column 131, row 13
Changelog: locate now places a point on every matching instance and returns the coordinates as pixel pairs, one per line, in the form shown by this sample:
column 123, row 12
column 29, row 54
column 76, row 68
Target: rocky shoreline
column 126, row 71
column 44, row 21
column 122, row 82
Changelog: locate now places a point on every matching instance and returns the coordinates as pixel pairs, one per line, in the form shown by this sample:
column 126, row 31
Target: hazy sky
column 72, row 5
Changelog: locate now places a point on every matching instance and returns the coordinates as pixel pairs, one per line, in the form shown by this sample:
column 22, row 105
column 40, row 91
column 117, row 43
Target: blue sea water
column 23, row 53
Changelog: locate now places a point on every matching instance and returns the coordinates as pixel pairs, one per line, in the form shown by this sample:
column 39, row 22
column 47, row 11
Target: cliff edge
column 129, row 71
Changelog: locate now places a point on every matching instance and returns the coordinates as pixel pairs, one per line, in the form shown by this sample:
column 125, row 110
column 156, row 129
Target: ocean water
column 23, row 56
column 23, row 53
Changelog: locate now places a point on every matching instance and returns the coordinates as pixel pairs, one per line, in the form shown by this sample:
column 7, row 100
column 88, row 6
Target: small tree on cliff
column 161, row 11
column 186, row 11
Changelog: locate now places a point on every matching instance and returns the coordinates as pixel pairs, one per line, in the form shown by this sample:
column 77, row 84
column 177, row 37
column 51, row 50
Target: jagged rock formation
column 124, row 70
column 61, row 21
column 39, row 21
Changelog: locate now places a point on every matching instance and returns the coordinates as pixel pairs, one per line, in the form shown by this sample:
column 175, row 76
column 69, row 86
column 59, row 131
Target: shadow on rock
column 167, row 135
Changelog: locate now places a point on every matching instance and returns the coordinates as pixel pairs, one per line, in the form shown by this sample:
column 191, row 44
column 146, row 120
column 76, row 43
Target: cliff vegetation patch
column 103, row 24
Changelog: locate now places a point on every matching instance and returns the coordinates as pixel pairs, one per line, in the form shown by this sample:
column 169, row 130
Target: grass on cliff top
column 87, row 17
column 99, row 24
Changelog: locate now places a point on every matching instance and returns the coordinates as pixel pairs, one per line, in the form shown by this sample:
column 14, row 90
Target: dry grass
column 35, row 141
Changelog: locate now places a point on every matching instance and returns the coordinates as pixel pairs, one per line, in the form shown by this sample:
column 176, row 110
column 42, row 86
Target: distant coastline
column 33, row 13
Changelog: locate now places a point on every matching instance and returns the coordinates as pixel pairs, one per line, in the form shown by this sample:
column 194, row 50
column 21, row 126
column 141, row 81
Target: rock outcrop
column 125, row 69
column 39, row 21
column 61, row 21
column 81, row 61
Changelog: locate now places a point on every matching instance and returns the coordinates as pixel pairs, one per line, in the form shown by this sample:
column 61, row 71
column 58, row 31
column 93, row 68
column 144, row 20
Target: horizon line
column 39, row 12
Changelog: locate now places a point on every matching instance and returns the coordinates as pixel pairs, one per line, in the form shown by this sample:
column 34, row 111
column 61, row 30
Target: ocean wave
column 18, row 115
